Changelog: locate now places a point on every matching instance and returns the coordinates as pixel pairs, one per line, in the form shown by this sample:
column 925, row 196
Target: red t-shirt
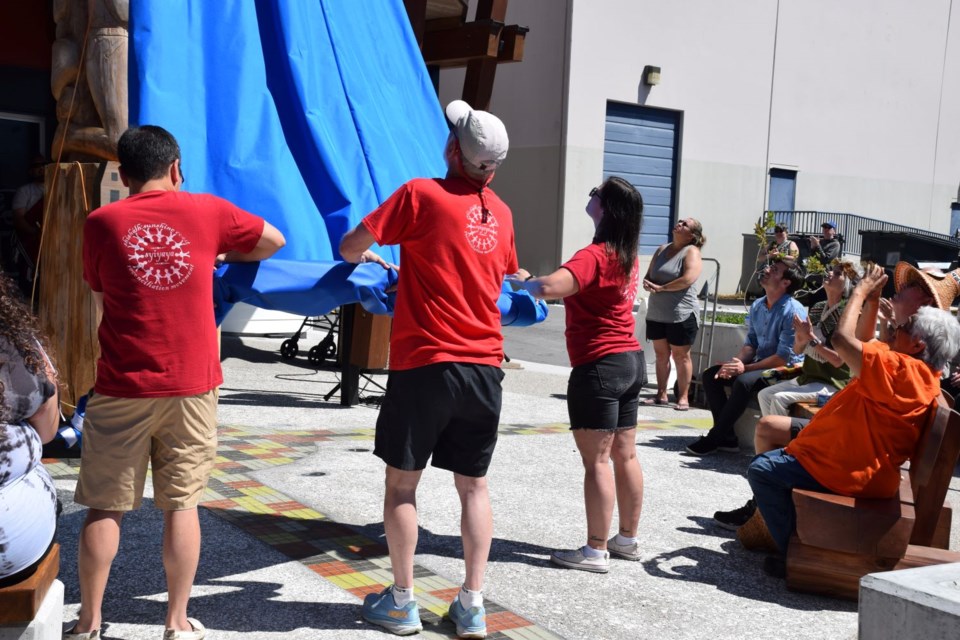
column 600, row 315
column 152, row 256
column 452, row 265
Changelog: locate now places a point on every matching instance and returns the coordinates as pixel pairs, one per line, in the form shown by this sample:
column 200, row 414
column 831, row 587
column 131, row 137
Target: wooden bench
column 838, row 539
column 804, row 410
column 19, row 603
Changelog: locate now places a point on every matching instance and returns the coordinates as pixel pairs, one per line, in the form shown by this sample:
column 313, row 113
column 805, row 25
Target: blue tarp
column 309, row 113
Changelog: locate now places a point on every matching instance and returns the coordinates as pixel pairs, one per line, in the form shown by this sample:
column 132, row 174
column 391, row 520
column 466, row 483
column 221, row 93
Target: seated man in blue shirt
column 769, row 344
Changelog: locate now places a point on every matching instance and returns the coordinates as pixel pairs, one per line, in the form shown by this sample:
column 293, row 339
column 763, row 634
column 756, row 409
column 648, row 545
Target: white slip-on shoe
column 575, row 559
column 199, row 632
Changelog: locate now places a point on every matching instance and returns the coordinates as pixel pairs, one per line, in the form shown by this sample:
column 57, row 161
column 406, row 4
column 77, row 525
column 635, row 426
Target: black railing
column 849, row 226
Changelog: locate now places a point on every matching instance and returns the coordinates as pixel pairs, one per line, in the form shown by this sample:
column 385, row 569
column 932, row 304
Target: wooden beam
column 511, row 43
column 456, row 47
column 478, row 83
column 417, row 13
column 492, row 10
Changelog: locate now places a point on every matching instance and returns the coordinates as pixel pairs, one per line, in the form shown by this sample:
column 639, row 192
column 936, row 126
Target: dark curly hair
column 18, row 327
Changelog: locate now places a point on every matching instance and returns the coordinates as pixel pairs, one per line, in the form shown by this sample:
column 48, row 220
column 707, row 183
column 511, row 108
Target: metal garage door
column 642, row 145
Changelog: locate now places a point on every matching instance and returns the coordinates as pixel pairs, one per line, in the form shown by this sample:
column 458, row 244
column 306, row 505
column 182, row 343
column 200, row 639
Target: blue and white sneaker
column 471, row 623
column 382, row 610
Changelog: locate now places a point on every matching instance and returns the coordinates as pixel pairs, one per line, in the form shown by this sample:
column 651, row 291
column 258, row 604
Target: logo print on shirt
column 481, row 235
column 158, row 256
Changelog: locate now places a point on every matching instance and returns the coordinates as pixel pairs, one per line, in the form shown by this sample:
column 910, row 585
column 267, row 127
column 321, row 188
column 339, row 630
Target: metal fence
column 849, row 227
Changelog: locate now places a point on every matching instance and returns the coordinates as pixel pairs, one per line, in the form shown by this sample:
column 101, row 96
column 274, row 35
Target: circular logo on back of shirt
column 482, row 235
column 158, row 256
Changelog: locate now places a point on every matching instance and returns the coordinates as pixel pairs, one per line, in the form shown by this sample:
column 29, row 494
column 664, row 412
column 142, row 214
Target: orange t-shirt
column 453, row 257
column 855, row 445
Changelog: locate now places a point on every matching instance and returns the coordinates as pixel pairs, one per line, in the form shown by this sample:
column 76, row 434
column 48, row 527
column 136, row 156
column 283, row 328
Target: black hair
column 622, row 219
column 791, row 272
column 146, row 152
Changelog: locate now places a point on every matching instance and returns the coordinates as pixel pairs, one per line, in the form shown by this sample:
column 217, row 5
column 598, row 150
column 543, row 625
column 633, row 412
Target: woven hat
column 942, row 287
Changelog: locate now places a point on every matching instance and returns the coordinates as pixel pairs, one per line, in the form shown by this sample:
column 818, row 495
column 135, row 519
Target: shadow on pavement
column 737, row 572
column 248, row 398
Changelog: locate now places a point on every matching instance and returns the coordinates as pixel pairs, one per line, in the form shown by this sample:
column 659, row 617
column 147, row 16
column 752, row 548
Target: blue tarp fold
column 309, row 113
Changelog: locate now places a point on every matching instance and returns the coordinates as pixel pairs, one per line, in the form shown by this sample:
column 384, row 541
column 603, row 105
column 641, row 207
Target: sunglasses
column 594, row 192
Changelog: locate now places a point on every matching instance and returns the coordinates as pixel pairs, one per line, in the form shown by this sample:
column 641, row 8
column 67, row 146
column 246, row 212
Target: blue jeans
column 773, row 476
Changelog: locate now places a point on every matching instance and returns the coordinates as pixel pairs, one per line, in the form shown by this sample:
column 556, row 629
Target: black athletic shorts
column 603, row 394
column 679, row 334
column 449, row 410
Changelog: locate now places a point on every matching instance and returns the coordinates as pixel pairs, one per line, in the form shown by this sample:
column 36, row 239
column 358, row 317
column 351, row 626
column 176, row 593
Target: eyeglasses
column 594, row 192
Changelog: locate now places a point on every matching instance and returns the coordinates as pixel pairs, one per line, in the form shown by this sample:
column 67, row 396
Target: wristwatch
column 814, row 342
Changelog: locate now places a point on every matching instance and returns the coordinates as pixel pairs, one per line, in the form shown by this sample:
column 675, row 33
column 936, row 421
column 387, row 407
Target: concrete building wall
column 860, row 97
column 529, row 97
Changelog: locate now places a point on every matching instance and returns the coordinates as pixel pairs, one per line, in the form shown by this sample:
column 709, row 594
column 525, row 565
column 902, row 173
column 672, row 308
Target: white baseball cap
column 482, row 136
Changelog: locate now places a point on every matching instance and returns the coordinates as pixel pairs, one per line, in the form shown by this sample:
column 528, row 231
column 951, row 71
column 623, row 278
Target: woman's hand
column 803, row 328
column 520, row 276
column 651, row 286
column 871, row 284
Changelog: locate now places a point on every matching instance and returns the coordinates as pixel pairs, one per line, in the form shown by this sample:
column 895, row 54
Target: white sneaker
column 625, row 551
column 576, row 560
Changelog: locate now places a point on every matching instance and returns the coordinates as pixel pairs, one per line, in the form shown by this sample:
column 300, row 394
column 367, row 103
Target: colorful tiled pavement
column 333, row 551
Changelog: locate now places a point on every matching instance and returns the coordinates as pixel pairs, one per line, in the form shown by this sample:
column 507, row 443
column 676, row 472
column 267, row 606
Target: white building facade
column 854, row 106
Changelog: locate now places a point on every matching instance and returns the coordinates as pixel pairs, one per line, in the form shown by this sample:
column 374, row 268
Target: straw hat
column 943, row 287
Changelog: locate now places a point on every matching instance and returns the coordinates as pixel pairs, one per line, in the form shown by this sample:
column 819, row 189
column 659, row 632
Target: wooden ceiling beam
column 456, row 47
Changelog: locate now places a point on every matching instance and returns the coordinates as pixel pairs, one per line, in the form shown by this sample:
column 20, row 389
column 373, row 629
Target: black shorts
column 679, row 334
column 797, row 425
column 449, row 410
column 603, row 394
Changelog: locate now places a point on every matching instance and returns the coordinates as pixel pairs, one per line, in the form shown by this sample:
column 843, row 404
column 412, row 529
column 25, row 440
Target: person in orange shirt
column 855, row 445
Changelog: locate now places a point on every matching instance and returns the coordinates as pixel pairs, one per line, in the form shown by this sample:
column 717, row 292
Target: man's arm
column 845, row 341
column 355, row 247
column 271, row 241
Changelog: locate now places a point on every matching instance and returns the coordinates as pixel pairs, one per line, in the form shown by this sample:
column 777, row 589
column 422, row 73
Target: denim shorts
column 603, row 394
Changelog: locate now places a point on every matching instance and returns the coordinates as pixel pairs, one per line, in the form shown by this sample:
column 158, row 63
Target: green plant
column 728, row 317
column 763, row 228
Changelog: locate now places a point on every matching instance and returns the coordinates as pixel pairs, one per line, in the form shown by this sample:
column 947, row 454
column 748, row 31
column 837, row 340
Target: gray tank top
column 671, row 306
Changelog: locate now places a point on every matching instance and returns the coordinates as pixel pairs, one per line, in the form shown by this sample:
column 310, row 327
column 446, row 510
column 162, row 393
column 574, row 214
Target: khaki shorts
column 178, row 436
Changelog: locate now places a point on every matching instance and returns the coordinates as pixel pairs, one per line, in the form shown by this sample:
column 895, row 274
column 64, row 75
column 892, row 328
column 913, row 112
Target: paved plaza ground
column 293, row 533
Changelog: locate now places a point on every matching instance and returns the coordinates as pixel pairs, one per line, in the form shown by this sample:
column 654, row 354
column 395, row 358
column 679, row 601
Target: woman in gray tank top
column 672, row 308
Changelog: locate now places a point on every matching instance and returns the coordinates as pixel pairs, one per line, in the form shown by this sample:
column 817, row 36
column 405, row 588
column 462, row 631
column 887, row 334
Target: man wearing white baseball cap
column 443, row 394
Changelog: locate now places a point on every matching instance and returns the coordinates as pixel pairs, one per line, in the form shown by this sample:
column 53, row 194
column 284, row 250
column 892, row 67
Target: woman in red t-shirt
column 599, row 285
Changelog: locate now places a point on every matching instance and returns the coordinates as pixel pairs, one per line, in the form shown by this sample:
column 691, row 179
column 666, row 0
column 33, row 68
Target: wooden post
column 478, row 82
column 68, row 316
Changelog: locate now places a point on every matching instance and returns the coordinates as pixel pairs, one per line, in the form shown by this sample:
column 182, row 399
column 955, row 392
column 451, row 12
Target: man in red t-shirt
column 148, row 260
column 443, row 396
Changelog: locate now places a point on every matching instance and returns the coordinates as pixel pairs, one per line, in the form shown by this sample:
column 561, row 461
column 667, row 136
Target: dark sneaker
column 704, row 446
column 382, row 610
column 470, row 623
column 775, row 567
column 735, row 519
column 733, row 446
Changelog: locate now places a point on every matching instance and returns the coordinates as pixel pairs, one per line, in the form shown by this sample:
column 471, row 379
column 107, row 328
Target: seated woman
column 823, row 372
column 29, row 416
column 782, row 246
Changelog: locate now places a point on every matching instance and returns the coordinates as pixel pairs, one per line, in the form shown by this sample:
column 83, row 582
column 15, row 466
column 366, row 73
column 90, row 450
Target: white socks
column 402, row 596
column 590, row 552
column 469, row 598
column 624, row 541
